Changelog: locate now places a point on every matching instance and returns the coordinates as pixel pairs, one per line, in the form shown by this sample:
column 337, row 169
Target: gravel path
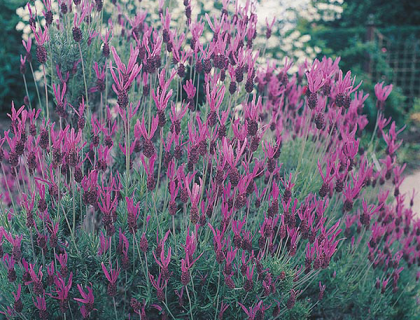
column 412, row 182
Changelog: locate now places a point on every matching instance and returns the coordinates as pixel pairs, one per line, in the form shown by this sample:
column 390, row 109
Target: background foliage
column 10, row 50
column 344, row 36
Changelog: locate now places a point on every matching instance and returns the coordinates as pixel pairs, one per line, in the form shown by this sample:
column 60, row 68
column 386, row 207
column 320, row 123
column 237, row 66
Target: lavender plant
column 163, row 175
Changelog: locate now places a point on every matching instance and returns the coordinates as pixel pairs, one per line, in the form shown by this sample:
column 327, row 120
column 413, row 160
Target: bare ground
column 412, row 181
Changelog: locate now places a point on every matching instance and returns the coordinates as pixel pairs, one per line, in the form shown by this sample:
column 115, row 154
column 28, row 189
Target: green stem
column 8, row 189
column 36, row 85
column 189, row 300
column 84, row 76
column 127, row 154
column 46, row 93
column 115, row 308
column 376, row 128
column 74, row 203
column 27, row 92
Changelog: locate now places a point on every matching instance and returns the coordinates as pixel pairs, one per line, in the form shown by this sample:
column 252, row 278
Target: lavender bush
column 164, row 174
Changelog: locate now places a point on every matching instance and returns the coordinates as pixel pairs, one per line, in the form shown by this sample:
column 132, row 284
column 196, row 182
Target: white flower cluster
column 286, row 12
column 329, row 10
column 23, row 13
column 291, row 42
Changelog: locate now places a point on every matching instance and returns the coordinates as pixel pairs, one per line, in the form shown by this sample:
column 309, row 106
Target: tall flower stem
column 173, row 227
column 74, row 203
column 36, row 85
column 189, row 300
column 46, row 93
column 150, row 104
column 141, row 262
column 27, row 92
column 8, row 189
column 217, row 293
column 58, row 189
column 169, row 310
column 305, row 138
column 71, row 230
column 218, row 287
column 160, row 157
column 198, row 91
column 147, row 269
column 101, row 109
column 32, row 245
column 376, row 128
column 115, row 308
column 127, row 153
column 84, row 76
column 156, row 213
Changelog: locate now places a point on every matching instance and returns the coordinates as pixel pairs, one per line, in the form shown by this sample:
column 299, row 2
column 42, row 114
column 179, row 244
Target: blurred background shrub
column 10, row 49
column 378, row 41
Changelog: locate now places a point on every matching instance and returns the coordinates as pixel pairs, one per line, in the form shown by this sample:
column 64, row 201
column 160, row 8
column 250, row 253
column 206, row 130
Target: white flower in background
column 208, row 6
column 285, row 41
column 305, row 38
column 23, row 13
column 294, row 35
column 291, row 42
column 298, row 44
column 287, row 47
column 322, row 6
column 38, row 75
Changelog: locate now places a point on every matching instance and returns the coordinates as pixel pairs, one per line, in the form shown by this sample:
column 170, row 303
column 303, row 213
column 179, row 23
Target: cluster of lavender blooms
column 192, row 181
